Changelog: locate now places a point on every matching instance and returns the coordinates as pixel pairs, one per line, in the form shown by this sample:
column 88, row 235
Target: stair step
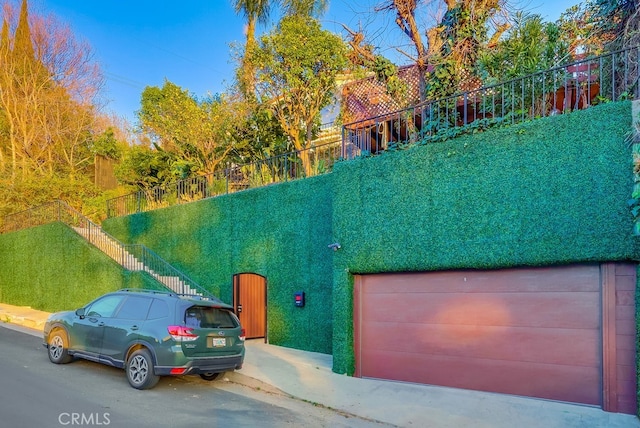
column 108, row 245
column 101, row 240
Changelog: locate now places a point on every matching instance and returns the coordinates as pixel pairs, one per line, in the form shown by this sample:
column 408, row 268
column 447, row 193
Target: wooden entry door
column 250, row 303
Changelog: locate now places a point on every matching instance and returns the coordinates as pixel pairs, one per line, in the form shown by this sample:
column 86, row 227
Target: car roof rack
column 145, row 290
column 199, row 297
column 172, row 293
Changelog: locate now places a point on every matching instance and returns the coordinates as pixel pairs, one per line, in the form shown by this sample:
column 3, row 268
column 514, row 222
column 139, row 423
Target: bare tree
column 48, row 89
column 452, row 44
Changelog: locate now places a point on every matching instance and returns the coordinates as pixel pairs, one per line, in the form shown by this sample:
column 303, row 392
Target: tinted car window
column 208, row 317
column 104, row 307
column 159, row 309
column 134, row 308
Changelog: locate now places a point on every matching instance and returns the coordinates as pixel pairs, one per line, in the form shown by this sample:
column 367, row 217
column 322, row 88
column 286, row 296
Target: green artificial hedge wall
column 280, row 232
column 637, row 349
column 546, row 192
column 51, row 268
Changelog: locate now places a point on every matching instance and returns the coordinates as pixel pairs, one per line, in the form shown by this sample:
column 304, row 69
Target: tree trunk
column 247, row 74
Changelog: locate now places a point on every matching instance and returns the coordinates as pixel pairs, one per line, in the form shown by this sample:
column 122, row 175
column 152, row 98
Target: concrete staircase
column 110, row 247
column 132, row 257
column 123, row 255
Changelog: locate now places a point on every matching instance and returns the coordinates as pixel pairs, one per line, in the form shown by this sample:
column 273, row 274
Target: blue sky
column 141, row 43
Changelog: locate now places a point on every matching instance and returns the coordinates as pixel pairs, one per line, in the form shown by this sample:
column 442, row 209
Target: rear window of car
column 208, row 317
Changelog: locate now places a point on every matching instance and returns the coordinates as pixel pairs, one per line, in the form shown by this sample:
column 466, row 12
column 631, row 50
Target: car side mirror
column 80, row 313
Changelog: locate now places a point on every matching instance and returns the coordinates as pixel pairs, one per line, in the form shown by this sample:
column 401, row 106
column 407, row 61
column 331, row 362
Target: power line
column 125, row 80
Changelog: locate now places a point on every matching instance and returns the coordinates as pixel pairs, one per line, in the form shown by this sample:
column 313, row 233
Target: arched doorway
column 250, row 303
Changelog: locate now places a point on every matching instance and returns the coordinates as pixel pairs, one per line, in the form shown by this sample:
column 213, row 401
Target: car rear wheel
column 59, row 347
column 210, row 376
column 139, row 370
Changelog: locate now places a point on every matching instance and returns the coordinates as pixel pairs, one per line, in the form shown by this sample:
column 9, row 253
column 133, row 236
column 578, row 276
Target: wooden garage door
column 532, row 332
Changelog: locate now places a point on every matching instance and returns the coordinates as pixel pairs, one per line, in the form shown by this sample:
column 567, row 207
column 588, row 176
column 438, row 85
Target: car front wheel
column 139, row 370
column 59, row 347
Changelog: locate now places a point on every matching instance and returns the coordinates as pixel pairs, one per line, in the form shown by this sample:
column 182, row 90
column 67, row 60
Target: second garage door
column 532, row 332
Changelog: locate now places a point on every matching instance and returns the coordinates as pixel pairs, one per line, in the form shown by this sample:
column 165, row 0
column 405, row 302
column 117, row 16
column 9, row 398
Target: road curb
column 255, row 384
column 13, row 316
column 18, row 327
column 261, row 386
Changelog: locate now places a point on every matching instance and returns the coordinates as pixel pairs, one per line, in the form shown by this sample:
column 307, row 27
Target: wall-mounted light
column 335, row 246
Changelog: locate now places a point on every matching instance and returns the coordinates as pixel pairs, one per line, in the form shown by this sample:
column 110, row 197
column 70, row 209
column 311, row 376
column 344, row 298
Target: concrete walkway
column 308, row 376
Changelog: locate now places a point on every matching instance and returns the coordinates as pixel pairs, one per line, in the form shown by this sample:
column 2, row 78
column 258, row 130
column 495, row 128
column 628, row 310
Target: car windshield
column 208, row 317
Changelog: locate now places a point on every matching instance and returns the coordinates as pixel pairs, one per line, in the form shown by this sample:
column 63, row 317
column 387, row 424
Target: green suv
column 149, row 334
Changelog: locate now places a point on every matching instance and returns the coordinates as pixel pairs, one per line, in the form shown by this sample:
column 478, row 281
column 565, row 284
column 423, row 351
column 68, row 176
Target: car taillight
column 242, row 334
column 180, row 333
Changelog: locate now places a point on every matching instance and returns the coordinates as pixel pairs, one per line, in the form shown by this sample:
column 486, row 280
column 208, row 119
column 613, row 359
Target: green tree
column 447, row 57
column 311, row 8
column 259, row 137
column 200, row 133
column 106, row 144
column 255, row 11
column 298, row 65
column 258, row 12
column 529, row 46
column 144, row 167
column 616, row 22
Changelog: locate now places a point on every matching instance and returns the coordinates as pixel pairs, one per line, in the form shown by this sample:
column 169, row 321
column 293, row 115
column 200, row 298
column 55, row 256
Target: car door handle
column 101, row 324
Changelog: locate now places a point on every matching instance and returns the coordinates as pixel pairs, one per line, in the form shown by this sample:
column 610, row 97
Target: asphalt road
column 36, row 393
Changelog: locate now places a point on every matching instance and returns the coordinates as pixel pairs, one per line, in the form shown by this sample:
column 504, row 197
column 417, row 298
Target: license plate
column 217, row 342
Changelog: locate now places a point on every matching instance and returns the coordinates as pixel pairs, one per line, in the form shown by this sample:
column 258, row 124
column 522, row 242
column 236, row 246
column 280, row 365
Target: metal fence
column 286, row 167
column 43, row 214
column 578, row 85
column 574, row 86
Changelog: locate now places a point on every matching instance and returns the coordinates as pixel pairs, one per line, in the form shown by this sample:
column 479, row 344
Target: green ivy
column 51, row 268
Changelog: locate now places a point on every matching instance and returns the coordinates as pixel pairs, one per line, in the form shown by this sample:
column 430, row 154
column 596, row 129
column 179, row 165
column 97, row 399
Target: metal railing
column 577, row 85
column 43, row 214
column 134, row 257
column 574, row 86
column 277, row 169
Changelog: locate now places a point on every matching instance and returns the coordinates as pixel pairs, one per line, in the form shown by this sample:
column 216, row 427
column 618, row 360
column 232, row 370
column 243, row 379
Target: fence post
column 286, row 168
column 227, row 173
